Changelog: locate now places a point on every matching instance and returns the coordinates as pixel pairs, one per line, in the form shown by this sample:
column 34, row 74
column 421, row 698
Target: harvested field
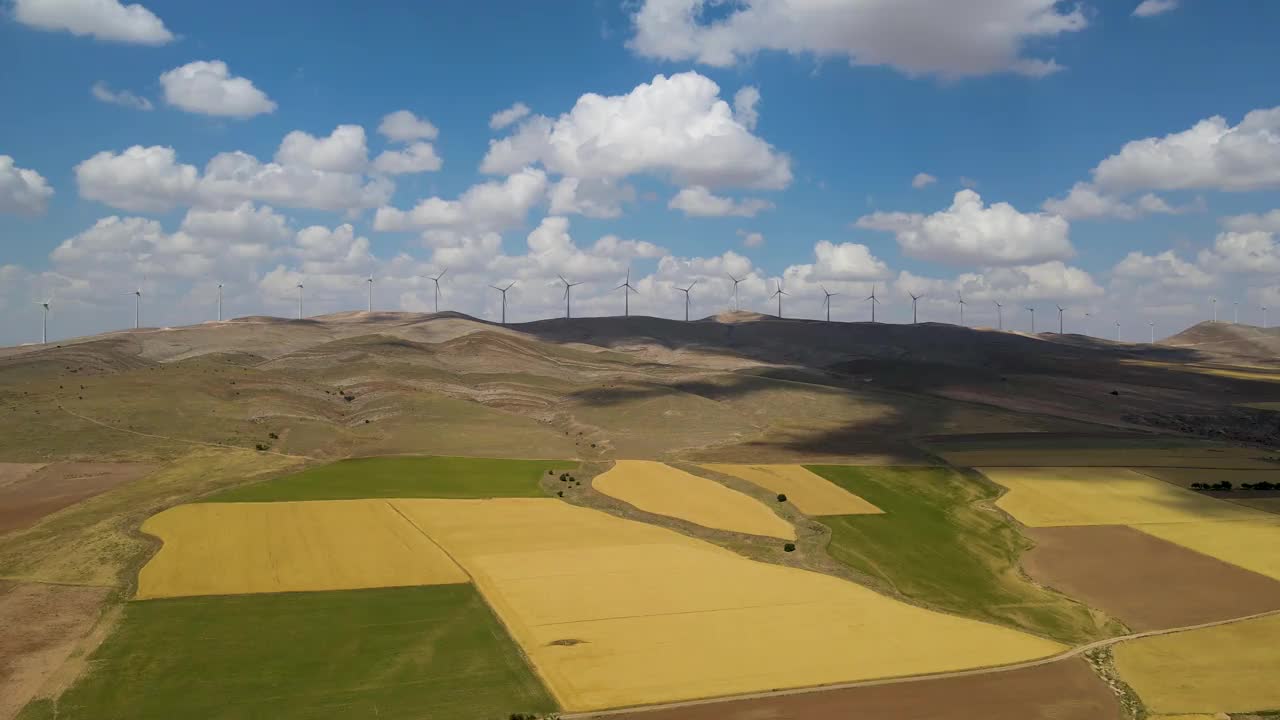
column 1053, row 496
column 1146, row 582
column 614, row 612
column 41, row 626
column 379, row 477
column 1266, row 500
column 1227, row 668
column 663, row 490
column 1066, row 690
column 235, row 548
column 1252, row 545
column 811, row 494
column 422, row 652
column 25, row 497
column 1145, row 457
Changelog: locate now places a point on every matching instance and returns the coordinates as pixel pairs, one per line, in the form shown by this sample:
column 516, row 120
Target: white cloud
column 1267, row 222
column 22, row 191
column 598, row 198
column 1249, row 252
column 676, row 126
column 123, row 98
column 751, row 239
column 343, row 151
column 1051, row 280
column 1165, row 269
column 140, row 179
column 951, row 39
column 416, row 158
column 923, row 180
column 970, row 234
column 1085, row 201
column 697, row 201
column 244, row 231
column 846, row 261
column 404, row 126
column 503, row 118
column 1209, row 155
column 1151, row 8
column 744, row 106
column 103, row 19
column 487, row 207
column 208, row 88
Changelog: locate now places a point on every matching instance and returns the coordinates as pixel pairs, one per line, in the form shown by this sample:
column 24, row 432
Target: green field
column 422, row 652
column 940, row 543
column 404, row 477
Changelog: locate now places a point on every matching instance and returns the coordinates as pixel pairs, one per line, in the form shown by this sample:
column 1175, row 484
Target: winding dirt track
column 1069, row 654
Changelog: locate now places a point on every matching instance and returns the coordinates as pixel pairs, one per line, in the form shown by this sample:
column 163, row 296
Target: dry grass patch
column 811, row 494
column 663, row 490
column 237, row 548
column 614, row 612
column 1227, row 668
column 1253, row 545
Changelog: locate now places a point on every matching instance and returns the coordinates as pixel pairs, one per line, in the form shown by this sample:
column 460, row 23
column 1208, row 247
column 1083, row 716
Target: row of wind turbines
column 627, row 288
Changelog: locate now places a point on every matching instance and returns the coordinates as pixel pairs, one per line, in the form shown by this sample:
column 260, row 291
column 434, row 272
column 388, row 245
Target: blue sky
column 1013, row 102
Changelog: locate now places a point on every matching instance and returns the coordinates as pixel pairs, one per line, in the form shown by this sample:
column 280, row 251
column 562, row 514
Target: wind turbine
column 1060, row 309
column 627, row 289
column 874, row 302
column 1235, row 313
column 299, row 300
column 1152, row 323
column 827, row 301
column 219, row 302
column 1033, row 319
column 137, row 307
column 436, row 280
column 1087, row 318
column 504, row 298
column 914, row 299
column 567, row 287
column 999, row 314
column 1214, row 301
column 44, row 327
column 686, row 298
column 960, row 298
column 370, row 281
column 1117, row 331
column 735, row 280
column 778, row 294
column 1264, row 317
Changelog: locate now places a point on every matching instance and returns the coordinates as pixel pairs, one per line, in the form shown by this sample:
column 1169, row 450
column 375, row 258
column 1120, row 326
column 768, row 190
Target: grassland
column 424, row 652
column 234, row 548
column 1227, row 668
column 938, row 542
column 404, row 477
column 661, row 489
column 615, row 612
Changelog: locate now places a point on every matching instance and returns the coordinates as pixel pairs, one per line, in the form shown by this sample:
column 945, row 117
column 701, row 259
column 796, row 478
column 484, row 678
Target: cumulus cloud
column 1151, row 8
column 744, row 106
column 1210, row 155
column 140, row 179
column 403, row 126
column 1247, row 252
column 22, row 191
column 598, row 198
column 677, row 127
column 1085, row 201
column 503, row 118
column 923, row 180
column 416, row 158
column 1266, row 222
column 751, row 239
column 209, row 88
column 946, row 39
column 1165, row 269
column 698, row 201
column 969, row 233
column 343, row 151
column 846, row 261
column 487, row 207
column 102, row 19
column 124, row 98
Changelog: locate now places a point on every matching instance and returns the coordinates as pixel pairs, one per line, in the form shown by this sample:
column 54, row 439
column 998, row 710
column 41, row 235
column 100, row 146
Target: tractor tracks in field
column 1070, row 653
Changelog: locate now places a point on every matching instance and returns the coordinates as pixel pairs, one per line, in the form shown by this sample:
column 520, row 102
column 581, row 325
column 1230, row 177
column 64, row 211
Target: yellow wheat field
column 810, row 493
column 614, row 612
column 1229, row 458
column 235, row 548
column 1053, row 496
column 661, row 489
column 1251, row 544
column 1227, row 668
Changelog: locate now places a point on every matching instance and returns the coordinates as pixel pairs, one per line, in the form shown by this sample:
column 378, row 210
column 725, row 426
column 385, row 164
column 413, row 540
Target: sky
column 1118, row 159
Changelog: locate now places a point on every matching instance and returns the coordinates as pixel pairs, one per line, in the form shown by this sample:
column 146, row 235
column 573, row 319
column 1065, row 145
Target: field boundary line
column 1068, row 654
column 109, row 426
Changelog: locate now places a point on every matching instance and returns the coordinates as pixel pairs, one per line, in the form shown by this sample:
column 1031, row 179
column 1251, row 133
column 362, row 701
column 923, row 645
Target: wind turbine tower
column 299, row 301
column 1033, row 319
column 686, row 298
column 1214, row 301
column 627, row 289
column 914, row 299
column 504, row 298
column 436, row 279
column 369, row 307
column 219, row 302
column 1117, row 331
column 778, row 294
column 137, row 308
column 1235, row 313
column 827, row 300
column 735, row 280
column 999, row 315
column 44, row 327
column 962, row 303
column 1152, row 323
column 1060, row 309
column 874, row 302
column 1264, row 317
column 567, row 287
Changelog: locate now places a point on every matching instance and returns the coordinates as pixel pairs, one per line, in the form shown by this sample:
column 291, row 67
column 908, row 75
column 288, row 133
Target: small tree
column 789, row 547
column 782, row 497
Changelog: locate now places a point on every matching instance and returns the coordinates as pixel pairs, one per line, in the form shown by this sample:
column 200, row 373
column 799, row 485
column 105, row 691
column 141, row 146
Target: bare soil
column 1066, row 690
column 53, row 487
column 1147, row 582
column 42, row 625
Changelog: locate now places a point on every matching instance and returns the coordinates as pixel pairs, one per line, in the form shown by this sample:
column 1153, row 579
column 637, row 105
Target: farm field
column 937, row 544
column 1249, row 544
column 402, row 653
column 596, row 602
column 1227, row 668
column 1144, row 581
column 26, row 497
column 664, row 490
column 1053, row 496
column 1268, row 501
column 396, row 476
column 233, row 548
column 1146, row 455
column 811, row 494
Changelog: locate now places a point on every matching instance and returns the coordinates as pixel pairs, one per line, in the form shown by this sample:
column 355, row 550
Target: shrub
column 782, row 497
column 789, row 547
column 273, row 436
column 263, row 447
column 559, row 493
column 1115, row 392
